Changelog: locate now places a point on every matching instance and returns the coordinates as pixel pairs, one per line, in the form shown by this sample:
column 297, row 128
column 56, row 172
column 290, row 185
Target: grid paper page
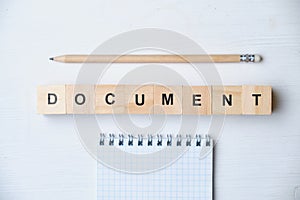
column 189, row 177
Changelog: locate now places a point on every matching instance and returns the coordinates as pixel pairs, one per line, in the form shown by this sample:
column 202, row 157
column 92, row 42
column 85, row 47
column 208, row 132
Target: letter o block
column 80, row 99
column 51, row 99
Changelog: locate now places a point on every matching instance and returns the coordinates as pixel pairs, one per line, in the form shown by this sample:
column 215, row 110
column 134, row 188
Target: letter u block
column 139, row 99
column 80, row 99
column 167, row 99
column 51, row 99
column 110, row 99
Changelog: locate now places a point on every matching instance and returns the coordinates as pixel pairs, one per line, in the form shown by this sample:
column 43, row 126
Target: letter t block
column 257, row 100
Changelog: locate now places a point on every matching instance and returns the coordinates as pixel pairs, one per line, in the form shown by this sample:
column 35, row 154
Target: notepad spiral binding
column 152, row 140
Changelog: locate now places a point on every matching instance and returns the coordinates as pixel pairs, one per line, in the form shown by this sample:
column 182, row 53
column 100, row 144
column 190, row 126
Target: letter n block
column 51, row 99
column 110, row 99
column 257, row 100
column 196, row 100
column 227, row 100
column 80, row 99
column 167, row 99
column 139, row 99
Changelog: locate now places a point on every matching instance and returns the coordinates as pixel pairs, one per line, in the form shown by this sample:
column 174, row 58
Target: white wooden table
column 257, row 157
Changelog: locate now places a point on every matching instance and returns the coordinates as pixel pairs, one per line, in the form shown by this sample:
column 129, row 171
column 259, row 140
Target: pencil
column 225, row 58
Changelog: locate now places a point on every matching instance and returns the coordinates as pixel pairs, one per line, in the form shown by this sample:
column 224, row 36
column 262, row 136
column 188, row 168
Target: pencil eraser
column 257, row 58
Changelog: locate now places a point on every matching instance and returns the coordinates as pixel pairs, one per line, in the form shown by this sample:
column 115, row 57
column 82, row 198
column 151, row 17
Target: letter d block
column 51, row 99
column 257, row 100
column 80, row 99
column 167, row 100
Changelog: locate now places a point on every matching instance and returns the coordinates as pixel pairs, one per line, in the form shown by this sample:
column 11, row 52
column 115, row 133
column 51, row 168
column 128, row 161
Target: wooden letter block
column 196, row 100
column 154, row 99
column 139, row 99
column 257, row 100
column 227, row 100
column 51, row 99
column 110, row 99
column 80, row 99
column 167, row 99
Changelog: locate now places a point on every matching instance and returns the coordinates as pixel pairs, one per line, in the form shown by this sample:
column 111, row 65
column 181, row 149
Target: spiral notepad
column 155, row 167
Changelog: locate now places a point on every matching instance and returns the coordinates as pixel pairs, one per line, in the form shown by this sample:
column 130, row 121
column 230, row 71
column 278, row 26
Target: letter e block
column 196, row 100
column 257, row 100
column 51, row 99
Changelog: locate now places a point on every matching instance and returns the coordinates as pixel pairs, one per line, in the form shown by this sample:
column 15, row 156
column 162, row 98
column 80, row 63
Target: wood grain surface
column 42, row 157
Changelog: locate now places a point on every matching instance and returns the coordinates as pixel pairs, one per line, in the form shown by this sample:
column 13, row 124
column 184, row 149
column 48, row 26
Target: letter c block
column 110, row 99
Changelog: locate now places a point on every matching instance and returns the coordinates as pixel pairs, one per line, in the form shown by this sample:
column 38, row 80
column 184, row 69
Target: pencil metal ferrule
column 247, row 58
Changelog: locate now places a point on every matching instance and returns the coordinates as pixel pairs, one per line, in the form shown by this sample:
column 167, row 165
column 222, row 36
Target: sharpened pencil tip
column 51, row 58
